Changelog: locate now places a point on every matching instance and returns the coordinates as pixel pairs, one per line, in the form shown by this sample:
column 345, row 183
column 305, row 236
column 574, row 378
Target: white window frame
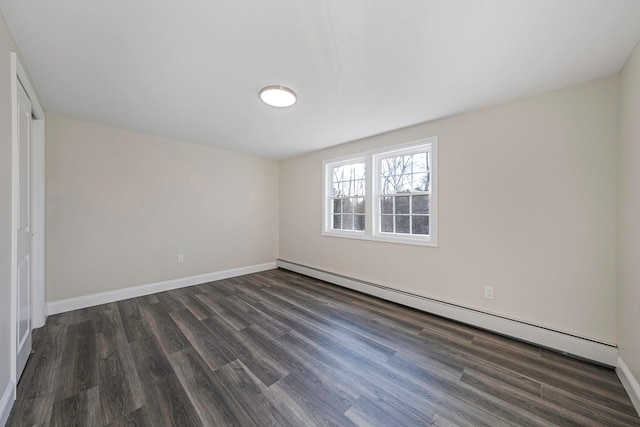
column 328, row 219
column 372, row 194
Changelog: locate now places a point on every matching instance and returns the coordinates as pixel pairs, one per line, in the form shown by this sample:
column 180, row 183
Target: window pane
column 393, row 174
column 408, row 164
column 337, row 206
column 420, row 182
column 404, row 174
column 386, row 224
column 348, row 180
column 402, row 204
column 337, row 189
column 387, row 166
column 386, row 205
column 420, row 204
column 424, row 181
column 359, row 223
column 348, row 172
column 396, row 165
column 353, row 188
column 347, row 222
column 347, row 206
column 402, row 224
column 420, row 224
column 390, row 183
column 358, row 206
column 403, row 184
column 419, row 162
column 351, row 171
column 337, row 223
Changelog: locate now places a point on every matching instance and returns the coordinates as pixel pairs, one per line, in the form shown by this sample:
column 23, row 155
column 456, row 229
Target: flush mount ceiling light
column 278, row 96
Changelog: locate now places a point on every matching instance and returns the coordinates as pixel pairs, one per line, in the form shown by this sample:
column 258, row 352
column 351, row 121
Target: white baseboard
column 585, row 348
column 629, row 382
column 61, row 306
column 6, row 403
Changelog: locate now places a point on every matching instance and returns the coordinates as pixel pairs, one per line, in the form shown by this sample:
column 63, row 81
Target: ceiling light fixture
column 278, row 96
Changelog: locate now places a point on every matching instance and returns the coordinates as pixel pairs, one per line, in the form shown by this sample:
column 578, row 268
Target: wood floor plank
column 536, row 369
column 214, row 353
column 120, row 391
column 165, row 398
column 38, row 378
column 190, row 301
column 224, row 308
column 368, row 368
column 167, row 333
column 344, row 303
column 505, row 377
column 327, row 366
column 78, row 363
column 274, row 327
column 278, row 348
column 81, row 409
column 551, row 412
column 328, row 391
column 249, row 400
column 572, row 366
column 390, row 413
column 319, row 410
column 566, row 371
column 131, row 319
column 148, row 300
column 316, row 326
column 588, row 408
column 434, row 392
column 138, row 418
column 462, row 396
column 170, row 301
column 203, row 388
column 288, row 411
column 219, row 289
column 350, row 370
column 31, row 412
column 107, row 320
column 260, row 363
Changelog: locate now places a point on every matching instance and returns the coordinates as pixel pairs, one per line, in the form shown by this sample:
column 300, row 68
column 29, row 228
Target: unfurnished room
column 320, row 213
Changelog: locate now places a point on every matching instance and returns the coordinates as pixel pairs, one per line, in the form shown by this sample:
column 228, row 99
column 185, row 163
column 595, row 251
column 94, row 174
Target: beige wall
column 121, row 205
column 527, row 204
column 629, row 215
column 6, row 46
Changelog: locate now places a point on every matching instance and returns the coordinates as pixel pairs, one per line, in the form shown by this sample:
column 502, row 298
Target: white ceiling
column 191, row 70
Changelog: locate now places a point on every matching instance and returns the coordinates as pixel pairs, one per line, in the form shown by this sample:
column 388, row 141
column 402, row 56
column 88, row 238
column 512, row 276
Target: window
column 386, row 195
column 404, row 192
column 347, row 196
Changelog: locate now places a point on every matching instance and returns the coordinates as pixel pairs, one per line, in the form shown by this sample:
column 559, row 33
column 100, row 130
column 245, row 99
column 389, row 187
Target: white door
column 24, row 231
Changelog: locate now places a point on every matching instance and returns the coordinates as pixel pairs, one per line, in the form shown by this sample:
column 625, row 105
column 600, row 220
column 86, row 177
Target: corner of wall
column 628, row 232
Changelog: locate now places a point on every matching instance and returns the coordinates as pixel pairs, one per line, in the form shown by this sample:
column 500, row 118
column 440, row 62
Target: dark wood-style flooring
column 277, row 348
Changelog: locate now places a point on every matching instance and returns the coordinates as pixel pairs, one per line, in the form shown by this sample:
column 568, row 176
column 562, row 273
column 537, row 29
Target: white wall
column 527, row 204
column 629, row 215
column 121, row 205
column 6, row 46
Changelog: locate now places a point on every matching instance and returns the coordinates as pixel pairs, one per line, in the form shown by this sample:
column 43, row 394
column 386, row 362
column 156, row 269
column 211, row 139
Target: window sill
column 415, row 241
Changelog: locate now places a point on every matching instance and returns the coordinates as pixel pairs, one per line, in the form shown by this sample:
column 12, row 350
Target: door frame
column 37, row 178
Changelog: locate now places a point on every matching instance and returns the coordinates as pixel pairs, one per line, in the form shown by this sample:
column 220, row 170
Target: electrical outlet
column 180, row 259
column 488, row 292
